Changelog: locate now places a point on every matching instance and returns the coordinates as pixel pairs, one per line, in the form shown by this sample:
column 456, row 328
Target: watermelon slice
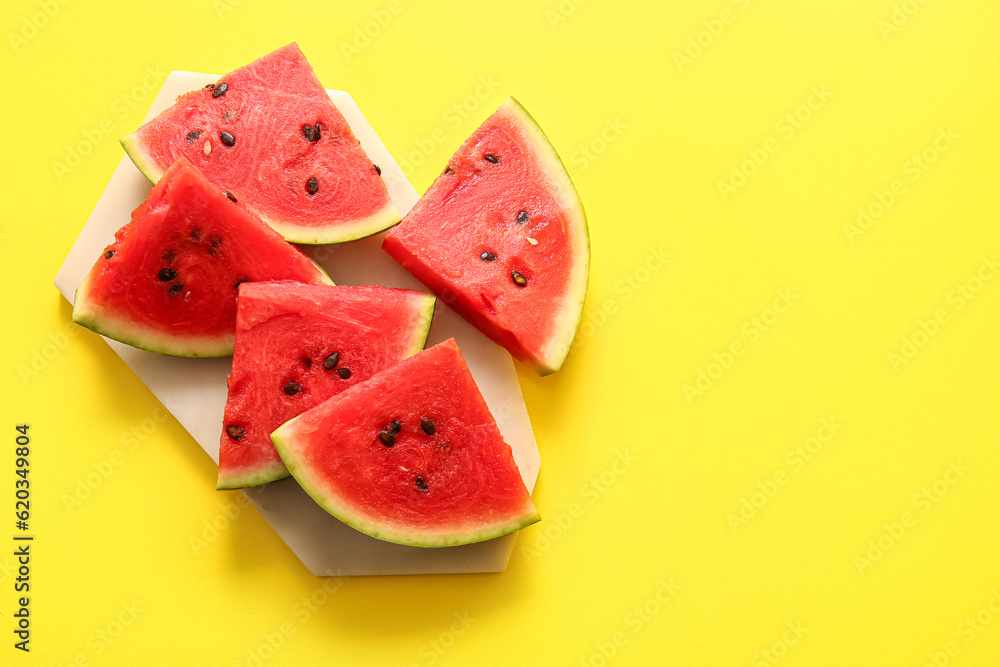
column 501, row 237
column 169, row 281
column 297, row 345
column 411, row 456
column 269, row 133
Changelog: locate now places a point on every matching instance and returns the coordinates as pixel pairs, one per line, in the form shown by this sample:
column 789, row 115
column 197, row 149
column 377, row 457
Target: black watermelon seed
column 174, row 289
column 317, row 132
column 220, row 90
column 518, row 278
column 447, row 169
column 195, row 234
column 292, row 388
column 309, row 132
column 307, row 362
column 421, row 484
column 312, row 185
column 109, row 254
column 488, row 256
column 490, row 157
column 522, row 218
column 395, row 426
column 227, row 138
column 388, row 439
column 378, row 169
column 427, row 425
column 231, row 196
column 166, row 274
column 344, row 373
column 331, row 362
column 193, row 136
column 234, row 432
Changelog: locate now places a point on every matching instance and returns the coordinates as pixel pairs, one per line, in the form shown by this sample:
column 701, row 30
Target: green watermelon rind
column 426, row 313
column 284, row 438
column 342, row 233
column 256, row 478
column 421, row 329
column 559, row 343
column 139, row 158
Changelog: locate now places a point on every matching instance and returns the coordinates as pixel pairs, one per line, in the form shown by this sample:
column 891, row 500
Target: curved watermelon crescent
column 567, row 320
column 379, row 221
column 359, row 229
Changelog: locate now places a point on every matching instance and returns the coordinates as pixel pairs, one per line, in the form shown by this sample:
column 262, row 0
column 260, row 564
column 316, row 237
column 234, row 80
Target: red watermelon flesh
column 501, row 237
column 268, row 108
column 297, row 345
column 168, row 283
column 411, row 456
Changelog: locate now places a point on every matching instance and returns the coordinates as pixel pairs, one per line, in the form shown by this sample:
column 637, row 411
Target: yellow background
column 682, row 522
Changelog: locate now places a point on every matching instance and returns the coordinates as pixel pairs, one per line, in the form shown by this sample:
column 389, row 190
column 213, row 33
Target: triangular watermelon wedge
column 269, row 133
column 501, row 237
column 297, row 345
column 411, row 456
column 169, row 281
